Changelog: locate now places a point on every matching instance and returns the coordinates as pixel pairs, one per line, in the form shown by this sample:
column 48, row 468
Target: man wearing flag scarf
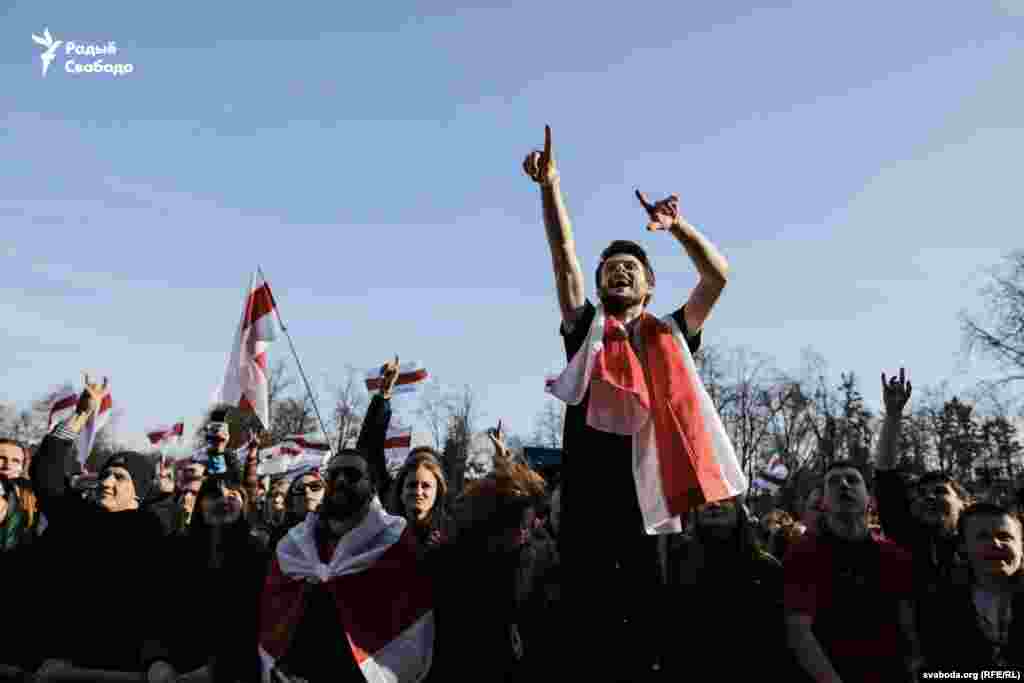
column 643, row 443
column 346, row 598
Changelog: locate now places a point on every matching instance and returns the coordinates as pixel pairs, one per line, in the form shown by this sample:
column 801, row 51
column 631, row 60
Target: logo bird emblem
column 51, row 46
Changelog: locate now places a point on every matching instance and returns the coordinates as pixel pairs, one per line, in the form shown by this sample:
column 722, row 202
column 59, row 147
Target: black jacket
column 220, row 574
column 94, row 573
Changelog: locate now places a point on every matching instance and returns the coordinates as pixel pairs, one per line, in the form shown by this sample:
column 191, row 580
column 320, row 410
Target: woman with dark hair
column 419, row 493
column 225, row 565
column 718, row 575
column 509, row 637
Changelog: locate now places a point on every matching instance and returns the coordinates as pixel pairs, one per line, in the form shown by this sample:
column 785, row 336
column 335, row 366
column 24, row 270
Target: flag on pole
column 411, row 377
column 96, row 422
column 245, row 380
column 63, row 402
column 158, row 435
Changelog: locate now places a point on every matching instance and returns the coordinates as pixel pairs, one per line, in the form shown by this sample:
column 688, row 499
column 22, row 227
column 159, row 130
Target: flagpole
column 302, row 373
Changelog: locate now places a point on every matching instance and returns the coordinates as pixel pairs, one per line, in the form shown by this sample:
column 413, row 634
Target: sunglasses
column 312, row 487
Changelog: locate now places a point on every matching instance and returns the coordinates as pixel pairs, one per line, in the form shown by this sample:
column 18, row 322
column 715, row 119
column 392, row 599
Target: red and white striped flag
column 63, row 403
column 682, row 455
column 245, row 380
column 309, row 442
column 287, row 459
column 158, row 435
column 392, row 641
column 411, row 377
column 96, row 422
column 397, row 445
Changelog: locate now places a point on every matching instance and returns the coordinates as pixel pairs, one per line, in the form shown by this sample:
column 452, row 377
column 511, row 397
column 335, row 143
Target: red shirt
column 851, row 591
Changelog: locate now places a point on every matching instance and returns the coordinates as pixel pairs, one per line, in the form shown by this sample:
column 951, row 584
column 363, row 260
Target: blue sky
column 857, row 163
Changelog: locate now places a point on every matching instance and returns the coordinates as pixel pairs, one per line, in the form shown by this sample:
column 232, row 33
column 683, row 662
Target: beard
column 345, row 502
column 616, row 304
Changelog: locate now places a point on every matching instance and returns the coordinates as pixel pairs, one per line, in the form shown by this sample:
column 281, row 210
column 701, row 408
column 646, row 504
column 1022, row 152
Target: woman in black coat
column 221, row 565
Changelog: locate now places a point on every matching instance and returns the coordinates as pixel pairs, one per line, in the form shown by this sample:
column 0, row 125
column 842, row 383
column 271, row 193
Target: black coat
column 220, row 575
column 96, row 574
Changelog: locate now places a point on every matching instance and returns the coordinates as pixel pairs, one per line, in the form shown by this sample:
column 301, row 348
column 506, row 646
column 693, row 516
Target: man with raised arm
column 642, row 441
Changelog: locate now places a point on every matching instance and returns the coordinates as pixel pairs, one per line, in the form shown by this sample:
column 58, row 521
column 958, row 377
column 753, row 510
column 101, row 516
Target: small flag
column 97, row 421
column 309, row 442
column 63, row 401
column 411, row 377
column 159, row 435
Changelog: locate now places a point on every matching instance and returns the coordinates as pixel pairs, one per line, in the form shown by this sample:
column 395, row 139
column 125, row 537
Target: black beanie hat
column 139, row 467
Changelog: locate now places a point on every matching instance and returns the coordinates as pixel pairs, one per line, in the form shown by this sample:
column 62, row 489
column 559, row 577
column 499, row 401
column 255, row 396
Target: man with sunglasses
column 331, row 585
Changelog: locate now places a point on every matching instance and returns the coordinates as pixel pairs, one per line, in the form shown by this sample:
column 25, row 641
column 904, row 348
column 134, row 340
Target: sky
column 856, row 163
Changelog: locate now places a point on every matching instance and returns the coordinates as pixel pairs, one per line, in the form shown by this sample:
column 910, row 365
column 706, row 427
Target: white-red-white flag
column 397, row 445
column 64, row 401
column 164, row 433
column 287, row 459
column 309, row 442
column 245, row 380
column 96, row 422
column 411, row 377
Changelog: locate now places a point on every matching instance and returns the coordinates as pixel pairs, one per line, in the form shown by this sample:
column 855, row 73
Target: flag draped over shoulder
column 383, row 599
column 682, row 455
column 245, row 380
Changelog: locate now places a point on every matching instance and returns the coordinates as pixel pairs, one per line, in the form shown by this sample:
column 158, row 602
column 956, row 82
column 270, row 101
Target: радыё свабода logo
column 88, row 49
column 51, row 46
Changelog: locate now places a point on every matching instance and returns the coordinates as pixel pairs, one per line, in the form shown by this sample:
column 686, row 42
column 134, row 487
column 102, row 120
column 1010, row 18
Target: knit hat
column 139, row 467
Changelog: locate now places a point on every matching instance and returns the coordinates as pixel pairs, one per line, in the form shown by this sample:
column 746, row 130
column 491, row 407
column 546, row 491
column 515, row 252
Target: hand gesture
column 92, row 396
column 388, row 377
column 896, row 393
column 498, row 439
column 540, row 166
column 663, row 214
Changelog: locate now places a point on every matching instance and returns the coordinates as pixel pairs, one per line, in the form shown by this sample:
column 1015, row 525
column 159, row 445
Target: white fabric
column 357, row 551
column 571, row 387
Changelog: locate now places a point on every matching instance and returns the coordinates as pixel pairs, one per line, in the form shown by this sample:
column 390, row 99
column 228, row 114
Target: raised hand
column 498, row 439
column 388, row 377
column 92, row 396
column 540, row 166
column 663, row 214
column 896, row 393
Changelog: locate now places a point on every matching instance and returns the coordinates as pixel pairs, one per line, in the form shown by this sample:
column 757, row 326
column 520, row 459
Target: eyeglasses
column 312, row 487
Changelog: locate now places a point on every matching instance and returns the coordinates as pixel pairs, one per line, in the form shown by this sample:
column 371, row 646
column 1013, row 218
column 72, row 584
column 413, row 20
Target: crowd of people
column 204, row 571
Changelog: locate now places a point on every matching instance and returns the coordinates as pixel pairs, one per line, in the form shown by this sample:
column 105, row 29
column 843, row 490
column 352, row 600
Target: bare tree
column 349, row 408
column 549, row 424
column 435, row 410
column 999, row 333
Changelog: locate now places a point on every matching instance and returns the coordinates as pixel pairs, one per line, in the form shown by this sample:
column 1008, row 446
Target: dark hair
column 984, row 510
column 942, row 477
column 846, row 465
column 625, row 247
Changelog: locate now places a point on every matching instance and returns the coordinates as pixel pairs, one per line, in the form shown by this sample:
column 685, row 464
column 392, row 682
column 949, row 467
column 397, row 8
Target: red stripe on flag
column 245, row 405
column 404, row 441
column 690, row 473
column 155, row 437
column 261, row 361
column 106, row 404
column 260, row 303
column 375, row 383
column 179, row 429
